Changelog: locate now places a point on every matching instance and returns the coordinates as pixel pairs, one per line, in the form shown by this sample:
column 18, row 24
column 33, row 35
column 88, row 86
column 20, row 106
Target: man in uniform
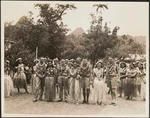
column 85, row 73
column 63, row 81
column 40, row 72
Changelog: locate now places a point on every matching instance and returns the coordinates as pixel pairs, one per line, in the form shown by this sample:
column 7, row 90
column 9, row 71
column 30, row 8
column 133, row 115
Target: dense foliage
column 49, row 35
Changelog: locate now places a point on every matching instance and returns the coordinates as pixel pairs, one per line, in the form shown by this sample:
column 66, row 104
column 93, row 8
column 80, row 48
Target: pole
column 36, row 52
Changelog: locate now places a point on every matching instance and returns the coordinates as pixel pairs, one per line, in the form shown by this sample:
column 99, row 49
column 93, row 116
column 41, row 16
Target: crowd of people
column 78, row 80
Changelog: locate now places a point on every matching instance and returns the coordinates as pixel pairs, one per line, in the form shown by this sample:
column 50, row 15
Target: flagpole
column 36, row 52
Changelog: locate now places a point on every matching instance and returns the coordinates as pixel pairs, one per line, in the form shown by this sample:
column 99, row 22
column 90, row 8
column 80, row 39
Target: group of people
column 78, row 81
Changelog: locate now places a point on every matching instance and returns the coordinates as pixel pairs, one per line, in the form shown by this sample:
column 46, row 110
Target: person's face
column 36, row 62
column 42, row 61
column 131, row 66
column 140, row 66
column 50, row 63
column 84, row 63
column 99, row 65
column 20, row 61
column 122, row 65
column 7, row 63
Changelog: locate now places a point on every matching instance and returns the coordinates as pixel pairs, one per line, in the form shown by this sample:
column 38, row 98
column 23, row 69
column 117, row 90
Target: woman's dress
column 20, row 77
column 131, row 83
column 72, row 73
column 143, row 86
column 123, row 81
column 49, row 84
column 100, row 88
column 8, row 85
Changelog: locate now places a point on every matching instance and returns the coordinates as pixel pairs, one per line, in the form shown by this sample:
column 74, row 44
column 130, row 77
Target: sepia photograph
column 74, row 59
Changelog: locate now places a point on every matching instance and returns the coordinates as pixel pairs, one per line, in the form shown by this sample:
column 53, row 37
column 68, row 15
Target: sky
column 131, row 17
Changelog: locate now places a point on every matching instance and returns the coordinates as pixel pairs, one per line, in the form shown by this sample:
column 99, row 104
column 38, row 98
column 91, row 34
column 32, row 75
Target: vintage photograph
column 65, row 58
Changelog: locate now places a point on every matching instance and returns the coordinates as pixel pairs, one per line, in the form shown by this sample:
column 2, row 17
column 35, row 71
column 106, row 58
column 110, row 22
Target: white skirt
column 8, row 86
column 99, row 92
column 143, row 90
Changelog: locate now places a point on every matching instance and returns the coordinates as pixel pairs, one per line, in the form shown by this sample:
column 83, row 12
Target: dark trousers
column 86, row 92
column 42, row 87
column 86, row 89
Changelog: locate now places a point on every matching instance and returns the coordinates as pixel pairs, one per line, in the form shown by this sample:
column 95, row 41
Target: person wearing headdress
column 143, row 81
column 8, row 83
column 139, row 78
column 85, row 73
column 50, row 82
column 113, row 83
column 28, row 74
column 122, row 76
column 100, row 90
column 56, row 66
column 63, row 81
column 77, row 84
column 137, row 81
column 78, row 92
column 35, row 81
column 72, row 77
column 40, row 73
column 132, row 73
column 107, row 75
column 20, row 77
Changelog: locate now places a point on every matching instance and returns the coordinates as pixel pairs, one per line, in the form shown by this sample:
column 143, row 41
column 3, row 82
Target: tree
column 48, row 33
column 54, row 33
column 99, row 38
column 125, row 46
column 73, row 47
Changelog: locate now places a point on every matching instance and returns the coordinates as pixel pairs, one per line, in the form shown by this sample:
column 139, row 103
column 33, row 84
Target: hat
column 72, row 60
column 56, row 59
column 110, row 58
column 99, row 61
column 50, row 60
column 62, row 61
column 123, row 63
column 36, row 60
column 42, row 58
column 66, row 60
column 18, row 59
column 7, row 61
column 78, row 59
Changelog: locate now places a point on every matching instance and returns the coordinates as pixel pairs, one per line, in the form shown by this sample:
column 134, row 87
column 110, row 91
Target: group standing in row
column 78, row 81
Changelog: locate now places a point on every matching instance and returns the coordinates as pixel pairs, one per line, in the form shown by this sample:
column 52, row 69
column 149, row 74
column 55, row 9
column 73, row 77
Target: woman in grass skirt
column 8, row 83
column 142, row 75
column 20, row 77
column 131, row 79
column 99, row 84
column 114, row 84
column 35, row 81
column 74, row 83
column 122, row 77
column 49, row 82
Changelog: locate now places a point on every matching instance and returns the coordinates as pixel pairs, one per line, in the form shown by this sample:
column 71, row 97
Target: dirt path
column 22, row 104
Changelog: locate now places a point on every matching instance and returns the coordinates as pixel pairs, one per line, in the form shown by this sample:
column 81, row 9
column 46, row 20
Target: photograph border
column 31, row 115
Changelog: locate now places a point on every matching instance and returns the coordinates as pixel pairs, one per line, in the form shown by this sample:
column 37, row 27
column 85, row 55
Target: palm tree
column 100, row 7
